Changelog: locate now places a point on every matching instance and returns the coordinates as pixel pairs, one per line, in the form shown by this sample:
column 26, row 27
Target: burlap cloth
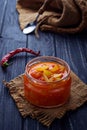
column 60, row 16
column 47, row 116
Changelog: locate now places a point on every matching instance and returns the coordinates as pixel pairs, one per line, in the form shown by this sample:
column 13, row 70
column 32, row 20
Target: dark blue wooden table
column 71, row 48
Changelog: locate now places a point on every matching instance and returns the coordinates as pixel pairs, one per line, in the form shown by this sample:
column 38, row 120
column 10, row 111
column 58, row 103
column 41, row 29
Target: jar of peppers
column 47, row 81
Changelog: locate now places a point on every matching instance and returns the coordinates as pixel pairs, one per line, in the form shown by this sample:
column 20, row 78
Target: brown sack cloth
column 62, row 16
column 47, row 116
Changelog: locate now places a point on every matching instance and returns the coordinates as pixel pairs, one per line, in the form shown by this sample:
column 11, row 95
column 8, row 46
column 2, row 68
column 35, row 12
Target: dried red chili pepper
column 4, row 61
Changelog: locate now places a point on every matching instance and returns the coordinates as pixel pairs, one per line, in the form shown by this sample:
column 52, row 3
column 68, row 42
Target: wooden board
column 71, row 48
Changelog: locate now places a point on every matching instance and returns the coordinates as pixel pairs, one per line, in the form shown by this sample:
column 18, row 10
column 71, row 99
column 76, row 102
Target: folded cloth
column 61, row 16
column 47, row 116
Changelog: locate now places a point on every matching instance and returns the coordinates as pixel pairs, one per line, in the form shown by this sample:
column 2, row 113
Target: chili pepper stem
column 6, row 64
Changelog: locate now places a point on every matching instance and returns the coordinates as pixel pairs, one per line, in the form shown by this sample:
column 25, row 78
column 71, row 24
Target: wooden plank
column 78, row 118
column 45, row 43
column 3, row 4
column 11, row 27
column 10, row 117
column 71, row 48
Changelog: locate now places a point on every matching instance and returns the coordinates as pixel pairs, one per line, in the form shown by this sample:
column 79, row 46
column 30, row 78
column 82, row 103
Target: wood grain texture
column 11, row 27
column 9, row 113
column 71, row 48
column 3, row 5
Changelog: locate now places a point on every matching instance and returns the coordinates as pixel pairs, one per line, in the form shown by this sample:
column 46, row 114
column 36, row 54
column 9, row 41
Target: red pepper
column 4, row 61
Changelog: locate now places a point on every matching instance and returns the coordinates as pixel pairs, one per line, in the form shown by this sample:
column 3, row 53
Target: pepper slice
column 47, row 71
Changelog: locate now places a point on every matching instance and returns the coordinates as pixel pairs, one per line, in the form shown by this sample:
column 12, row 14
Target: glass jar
column 47, row 94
